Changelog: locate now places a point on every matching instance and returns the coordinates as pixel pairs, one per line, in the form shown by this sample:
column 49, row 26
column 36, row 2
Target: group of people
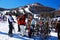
column 3, row 17
column 22, row 24
column 31, row 25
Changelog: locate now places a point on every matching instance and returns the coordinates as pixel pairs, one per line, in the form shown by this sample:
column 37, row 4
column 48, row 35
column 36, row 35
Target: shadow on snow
column 35, row 38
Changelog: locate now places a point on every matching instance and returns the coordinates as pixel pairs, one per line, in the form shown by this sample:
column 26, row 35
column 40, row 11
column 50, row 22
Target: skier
column 22, row 24
column 58, row 29
column 4, row 18
column 1, row 17
column 31, row 23
column 29, row 29
column 10, row 21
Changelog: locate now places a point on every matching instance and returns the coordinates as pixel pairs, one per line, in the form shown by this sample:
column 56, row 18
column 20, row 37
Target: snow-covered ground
column 4, row 32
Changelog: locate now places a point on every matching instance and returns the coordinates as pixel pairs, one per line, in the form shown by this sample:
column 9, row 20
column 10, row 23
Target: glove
column 14, row 21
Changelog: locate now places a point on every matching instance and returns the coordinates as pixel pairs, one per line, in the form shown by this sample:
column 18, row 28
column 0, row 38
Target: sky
column 17, row 3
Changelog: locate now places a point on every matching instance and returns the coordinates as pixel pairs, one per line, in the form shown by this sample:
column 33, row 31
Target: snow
column 53, row 34
column 21, row 10
column 27, row 9
column 4, row 32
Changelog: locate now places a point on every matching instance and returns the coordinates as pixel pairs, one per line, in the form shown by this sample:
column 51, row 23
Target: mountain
column 35, row 8
column 2, row 9
column 36, row 5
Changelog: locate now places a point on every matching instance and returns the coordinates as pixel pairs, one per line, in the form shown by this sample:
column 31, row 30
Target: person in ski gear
column 10, row 21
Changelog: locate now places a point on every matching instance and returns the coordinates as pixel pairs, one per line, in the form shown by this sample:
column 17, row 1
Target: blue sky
column 16, row 3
